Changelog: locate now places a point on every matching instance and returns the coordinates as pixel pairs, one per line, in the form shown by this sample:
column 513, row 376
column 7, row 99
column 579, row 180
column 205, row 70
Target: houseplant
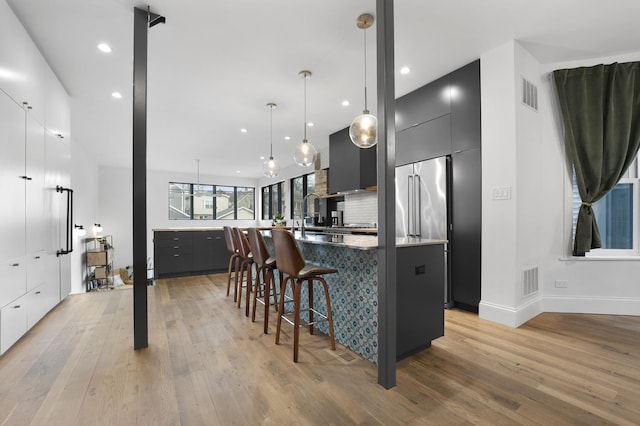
column 279, row 221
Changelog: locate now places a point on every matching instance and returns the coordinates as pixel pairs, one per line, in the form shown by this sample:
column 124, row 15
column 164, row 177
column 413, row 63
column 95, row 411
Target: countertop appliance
column 422, row 200
column 337, row 218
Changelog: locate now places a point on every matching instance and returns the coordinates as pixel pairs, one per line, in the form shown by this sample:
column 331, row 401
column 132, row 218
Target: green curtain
column 601, row 113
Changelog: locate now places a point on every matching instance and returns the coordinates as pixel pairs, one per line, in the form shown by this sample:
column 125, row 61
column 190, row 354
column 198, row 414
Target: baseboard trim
column 512, row 317
column 592, row 305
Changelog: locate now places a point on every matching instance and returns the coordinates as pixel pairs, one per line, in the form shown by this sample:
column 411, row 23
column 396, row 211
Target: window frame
column 305, row 192
column 193, row 188
column 268, row 214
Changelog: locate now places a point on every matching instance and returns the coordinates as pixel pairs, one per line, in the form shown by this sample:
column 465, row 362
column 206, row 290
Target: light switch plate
column 501, row 193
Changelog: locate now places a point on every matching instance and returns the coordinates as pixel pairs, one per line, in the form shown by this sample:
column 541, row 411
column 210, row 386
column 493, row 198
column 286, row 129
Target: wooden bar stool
column 246, row 265
column 265, row 264
column 290, row 261
column 235, row 257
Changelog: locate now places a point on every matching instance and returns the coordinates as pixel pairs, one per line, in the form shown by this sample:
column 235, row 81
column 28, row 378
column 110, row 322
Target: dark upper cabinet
column 465, row 107
column 423, row 104
column 350, row 167
column 424, row 141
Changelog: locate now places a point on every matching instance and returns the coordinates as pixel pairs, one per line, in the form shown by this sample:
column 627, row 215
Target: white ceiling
column 215, row 65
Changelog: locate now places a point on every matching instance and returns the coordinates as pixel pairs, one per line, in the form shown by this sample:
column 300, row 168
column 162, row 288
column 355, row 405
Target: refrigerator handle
column 410, row 216
column 418, row 210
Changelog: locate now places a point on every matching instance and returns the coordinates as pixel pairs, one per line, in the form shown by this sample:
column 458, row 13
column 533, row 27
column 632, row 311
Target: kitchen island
column 354, row 290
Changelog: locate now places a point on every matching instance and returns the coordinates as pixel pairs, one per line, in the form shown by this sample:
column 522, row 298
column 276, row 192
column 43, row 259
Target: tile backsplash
column 360, row 207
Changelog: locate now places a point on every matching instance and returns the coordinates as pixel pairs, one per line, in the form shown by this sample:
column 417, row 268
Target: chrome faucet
column 304, row 205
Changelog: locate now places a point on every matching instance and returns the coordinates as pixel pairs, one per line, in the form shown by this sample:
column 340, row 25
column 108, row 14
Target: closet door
column 12, row 178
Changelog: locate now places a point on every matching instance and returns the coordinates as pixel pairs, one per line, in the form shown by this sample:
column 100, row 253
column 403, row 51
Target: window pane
column 275, row 194
column 179, row 201
column 246, row 203
column 297, row 190
column 614, row 215
column 225, row 202
column 203, row 202
column 283, row 197
column 265, row 203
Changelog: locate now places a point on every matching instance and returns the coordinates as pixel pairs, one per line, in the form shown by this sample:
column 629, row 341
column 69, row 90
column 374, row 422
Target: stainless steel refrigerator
column 422, row 200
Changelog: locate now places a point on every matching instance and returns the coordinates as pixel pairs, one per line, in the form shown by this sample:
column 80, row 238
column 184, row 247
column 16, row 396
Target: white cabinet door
column 35, row 193
column 36, row 269
column 13, row 323
column 39, row 301
column 12, row 181
column 13, row 279
column 12, row 54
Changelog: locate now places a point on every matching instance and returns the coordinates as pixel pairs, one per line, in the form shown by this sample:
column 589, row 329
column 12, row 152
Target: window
column 617, row 216
column 300, row 187
column 188, row 201
column 272, row 200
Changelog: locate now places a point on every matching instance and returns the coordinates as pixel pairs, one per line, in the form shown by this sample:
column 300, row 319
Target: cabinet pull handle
column 17, row 307
column 208, row 238
column 176, row 255
column 176, row 247
column 37, row 292
column 37, row 257
column 218, row 238
column 15, row 264
column 176, row 239
column 25, row 177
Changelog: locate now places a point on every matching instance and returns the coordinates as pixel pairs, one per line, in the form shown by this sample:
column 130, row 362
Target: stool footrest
column 322, row 319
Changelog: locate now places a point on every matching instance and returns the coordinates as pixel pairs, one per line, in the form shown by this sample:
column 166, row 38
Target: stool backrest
column 288, row 256
column 259, row 248
column 242, row 243
column 228, row 237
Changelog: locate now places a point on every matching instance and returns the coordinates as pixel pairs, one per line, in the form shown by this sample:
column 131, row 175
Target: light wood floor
column 207, row 365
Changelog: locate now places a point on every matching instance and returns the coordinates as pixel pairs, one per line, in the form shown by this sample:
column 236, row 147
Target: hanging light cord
column 366, row 110
column 305, row 109
column 271, row 136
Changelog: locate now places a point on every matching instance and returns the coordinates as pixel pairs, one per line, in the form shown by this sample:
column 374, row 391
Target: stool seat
column 310, row 270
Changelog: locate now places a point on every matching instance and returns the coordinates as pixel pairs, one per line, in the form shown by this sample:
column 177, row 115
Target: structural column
column 386, row 195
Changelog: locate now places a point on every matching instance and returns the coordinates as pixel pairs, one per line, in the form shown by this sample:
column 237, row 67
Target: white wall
column 84, row 181
column 524, row 150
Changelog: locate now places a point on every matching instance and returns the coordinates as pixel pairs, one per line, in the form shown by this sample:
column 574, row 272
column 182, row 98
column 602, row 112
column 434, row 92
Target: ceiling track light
column 305, row 153
column 364, row 128
column 270, row 168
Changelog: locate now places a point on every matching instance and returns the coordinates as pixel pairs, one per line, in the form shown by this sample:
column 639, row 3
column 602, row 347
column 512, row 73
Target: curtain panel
column 601, row 113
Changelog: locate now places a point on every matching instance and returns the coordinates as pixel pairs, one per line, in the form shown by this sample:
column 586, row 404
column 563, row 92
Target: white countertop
column 360, row 242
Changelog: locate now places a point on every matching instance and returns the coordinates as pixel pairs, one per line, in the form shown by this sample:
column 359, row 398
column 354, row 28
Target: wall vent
column 529, row 281
column 529, row 94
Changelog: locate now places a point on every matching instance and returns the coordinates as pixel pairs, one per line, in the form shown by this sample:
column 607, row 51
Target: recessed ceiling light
column 117, row 95
column 310, row 124
column 262, row 157
column 286, row 138
column 405, row 70
column 238, row 171
column 104, row 47
column 345, row 103
column 243, row 130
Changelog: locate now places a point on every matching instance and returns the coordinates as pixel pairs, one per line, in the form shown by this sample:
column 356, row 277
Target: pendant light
column 364, row 128
column 305, row 153
column 271, row 168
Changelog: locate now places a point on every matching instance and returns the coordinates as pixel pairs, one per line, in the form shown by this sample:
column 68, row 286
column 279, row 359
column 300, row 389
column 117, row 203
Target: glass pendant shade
column 364, row 130
column 305, row 154
column 271, row 168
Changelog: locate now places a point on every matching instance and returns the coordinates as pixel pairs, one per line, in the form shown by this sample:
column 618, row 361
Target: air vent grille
column 529, row 281
column 529, row 94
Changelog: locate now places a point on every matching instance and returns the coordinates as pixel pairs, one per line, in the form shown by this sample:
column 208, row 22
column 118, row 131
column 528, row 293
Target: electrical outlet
column 562, row 284
column 501, row 193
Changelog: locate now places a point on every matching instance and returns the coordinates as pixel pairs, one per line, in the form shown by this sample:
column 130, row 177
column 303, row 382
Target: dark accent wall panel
column 465, row 249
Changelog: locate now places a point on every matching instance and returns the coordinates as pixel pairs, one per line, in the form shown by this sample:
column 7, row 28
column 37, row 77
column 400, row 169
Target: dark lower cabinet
column 420, row 295
column 181, row 253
